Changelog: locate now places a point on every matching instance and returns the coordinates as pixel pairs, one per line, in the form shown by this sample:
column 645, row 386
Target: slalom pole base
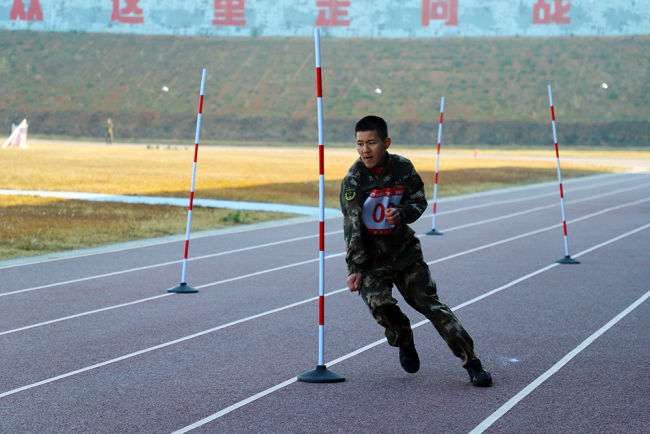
column 321, row 375
column 183, row 288
column 433, row 232
column 567, row 260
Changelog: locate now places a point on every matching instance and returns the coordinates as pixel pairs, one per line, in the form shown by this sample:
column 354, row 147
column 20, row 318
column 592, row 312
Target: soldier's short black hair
column 372, row 123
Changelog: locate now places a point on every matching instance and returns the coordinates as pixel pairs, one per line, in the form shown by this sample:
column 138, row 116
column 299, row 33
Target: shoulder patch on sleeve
column 350, row 192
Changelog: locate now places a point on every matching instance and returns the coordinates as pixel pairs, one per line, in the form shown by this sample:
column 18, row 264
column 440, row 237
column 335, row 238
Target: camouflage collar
column 384, row 169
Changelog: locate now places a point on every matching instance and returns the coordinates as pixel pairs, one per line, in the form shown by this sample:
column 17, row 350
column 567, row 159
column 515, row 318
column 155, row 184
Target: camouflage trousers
column 419, row 290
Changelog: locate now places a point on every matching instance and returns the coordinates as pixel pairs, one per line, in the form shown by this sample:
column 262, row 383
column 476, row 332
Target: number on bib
column 382, row 213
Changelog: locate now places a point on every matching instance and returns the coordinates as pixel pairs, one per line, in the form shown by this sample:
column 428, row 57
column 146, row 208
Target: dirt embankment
column 263, row 88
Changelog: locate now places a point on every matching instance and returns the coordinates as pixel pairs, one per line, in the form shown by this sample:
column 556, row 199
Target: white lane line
column 549, row 184
column 548, row 267
column 166, row 344
column 148, row 267
column 455, row 255
column 598, row 246
column 236, row 406
column 538, row 196
column 222, row 232
column 266, row 227
column 537, row 231
column 78, row 315
column 381, row 341
column 257, row 273
column 555, row 368
column 539, row 208
column 85, row 279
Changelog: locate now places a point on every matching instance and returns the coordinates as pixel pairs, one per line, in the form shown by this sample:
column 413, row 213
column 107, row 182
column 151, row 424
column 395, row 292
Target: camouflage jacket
column 372, row 248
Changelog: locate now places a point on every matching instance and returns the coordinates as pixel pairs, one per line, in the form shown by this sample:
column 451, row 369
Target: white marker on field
column 567, row 258
column 321, row 374
column 184, row 287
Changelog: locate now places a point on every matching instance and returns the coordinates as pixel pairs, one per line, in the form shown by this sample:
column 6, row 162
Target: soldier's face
column 371, row 148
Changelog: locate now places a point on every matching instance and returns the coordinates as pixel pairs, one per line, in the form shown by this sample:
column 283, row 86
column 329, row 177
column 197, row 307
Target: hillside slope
column 502, row 79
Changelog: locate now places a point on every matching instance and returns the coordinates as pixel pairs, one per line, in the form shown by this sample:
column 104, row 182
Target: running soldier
column 380, row 195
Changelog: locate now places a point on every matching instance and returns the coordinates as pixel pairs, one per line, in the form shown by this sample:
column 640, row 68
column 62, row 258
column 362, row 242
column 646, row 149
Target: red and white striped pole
column 321, row 374
column 567, row 258
column 433, row 230
column 184, row 287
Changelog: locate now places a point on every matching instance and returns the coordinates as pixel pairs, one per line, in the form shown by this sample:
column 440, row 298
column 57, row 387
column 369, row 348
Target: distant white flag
column 18, row 138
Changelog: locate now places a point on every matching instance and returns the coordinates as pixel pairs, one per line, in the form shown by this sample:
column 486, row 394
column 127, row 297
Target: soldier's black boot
column 479, row 376
column 409, row 359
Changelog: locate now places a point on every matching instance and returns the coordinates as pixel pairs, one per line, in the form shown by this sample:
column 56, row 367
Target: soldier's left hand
column 392, row 216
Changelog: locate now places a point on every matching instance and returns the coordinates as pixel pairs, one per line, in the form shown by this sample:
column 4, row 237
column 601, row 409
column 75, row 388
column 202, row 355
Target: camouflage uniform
column 396, row 258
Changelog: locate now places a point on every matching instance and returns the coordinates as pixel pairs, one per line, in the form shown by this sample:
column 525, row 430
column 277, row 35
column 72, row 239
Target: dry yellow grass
column 137, row 170
column 626, row 153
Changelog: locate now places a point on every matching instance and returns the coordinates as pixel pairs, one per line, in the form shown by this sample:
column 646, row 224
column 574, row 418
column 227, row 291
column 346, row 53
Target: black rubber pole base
column 567, row 260
column 183, row 288
column 433, row 232
column 321, row 375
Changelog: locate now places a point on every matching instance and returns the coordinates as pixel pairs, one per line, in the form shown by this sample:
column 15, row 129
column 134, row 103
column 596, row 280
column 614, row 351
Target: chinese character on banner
column 34, row 12
column 130, row 14
column 542, row 12
column 446, row 11
column 229, row 13
column 333, row 9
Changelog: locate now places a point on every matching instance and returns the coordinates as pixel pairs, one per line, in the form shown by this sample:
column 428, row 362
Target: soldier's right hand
column 354, row 281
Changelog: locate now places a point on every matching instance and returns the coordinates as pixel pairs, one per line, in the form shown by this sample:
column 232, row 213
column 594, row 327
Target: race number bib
column 374, row 209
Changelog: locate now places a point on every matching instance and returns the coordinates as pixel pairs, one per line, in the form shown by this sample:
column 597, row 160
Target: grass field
column 282, row 175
